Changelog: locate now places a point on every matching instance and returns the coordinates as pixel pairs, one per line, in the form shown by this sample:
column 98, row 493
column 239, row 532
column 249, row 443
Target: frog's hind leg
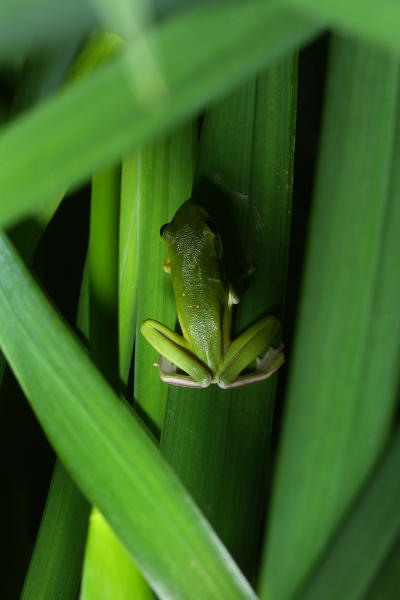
column 169, row 374
column 174, row 352
column 249, row 346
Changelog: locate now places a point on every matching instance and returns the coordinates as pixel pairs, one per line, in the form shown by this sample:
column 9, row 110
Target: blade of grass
column 164, row 180
column 376, row 22
column 128, row 264
column 387, row 583
column 103, row 272
column 54, row 571
column 37, row 82
column 83, row 317
column 55, row 567
column 99, row 48
column 360, row 547
column 107, row 563
column 109, row 571
column 26, row 24
column 115, row 110
column 43, row 74
column 246, row 146
column 104, row 447
column 344, row 357
column 52, row 547
column 361, row 544
column 53, row 557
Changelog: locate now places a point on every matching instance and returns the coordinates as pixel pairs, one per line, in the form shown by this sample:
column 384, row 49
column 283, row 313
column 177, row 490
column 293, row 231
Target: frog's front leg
column 174, row 352
column 249, row 346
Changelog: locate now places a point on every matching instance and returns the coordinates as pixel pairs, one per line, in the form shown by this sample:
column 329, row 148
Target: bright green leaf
column 344, row 365
column 376, row 22
column 361, row 544
column 128, row 264
column 95, row 121
column 386, row 585
column 55, row 567
column 109, row 571
column 164, row 174
column 246, row 150
column 106, row 450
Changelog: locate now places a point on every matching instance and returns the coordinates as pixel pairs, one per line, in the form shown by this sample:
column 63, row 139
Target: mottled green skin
column 202, row 295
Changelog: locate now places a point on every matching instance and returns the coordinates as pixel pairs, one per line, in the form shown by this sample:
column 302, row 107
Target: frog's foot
column 169, row 374
column 175, row 353
column 246, row 349
column 266, row 367
column 271, row 361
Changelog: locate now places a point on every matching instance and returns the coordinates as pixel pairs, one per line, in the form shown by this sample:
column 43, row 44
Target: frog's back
column 200, row 289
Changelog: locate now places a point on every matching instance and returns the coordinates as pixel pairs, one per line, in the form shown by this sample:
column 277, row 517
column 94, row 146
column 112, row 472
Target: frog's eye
column 163, row 228
column 212, row 226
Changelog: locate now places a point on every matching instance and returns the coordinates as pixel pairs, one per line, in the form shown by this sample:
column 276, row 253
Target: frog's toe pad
column 266, row 366
column 271, row 361
column 169, row 374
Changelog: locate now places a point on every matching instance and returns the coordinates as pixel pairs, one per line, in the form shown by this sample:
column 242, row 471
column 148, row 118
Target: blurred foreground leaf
column 24, row 23
column 344, row 369
column 358, row 550
column 55, row 567
column 187, row 63
column 386, row 584
column 109, row 571
column 106, row 450
column 376, row 22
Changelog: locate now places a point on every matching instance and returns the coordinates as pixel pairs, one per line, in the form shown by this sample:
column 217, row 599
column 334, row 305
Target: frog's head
column 190, row 221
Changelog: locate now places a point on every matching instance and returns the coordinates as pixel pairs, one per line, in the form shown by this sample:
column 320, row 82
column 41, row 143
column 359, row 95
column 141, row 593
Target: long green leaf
column 103, row 272
column 165, row 173
column 387, row 583
column 345, row 356
column 37, row 85
column 106, row 450
column 128, row 264
column 377, row 22
column 115, row 110
column 108, row 568
column 109, row 571
column 24, row 24
column 55, row 567
column 359, row 548
column 246, row 146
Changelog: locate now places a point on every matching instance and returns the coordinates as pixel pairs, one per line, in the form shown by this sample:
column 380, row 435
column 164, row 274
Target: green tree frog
column 204, row 353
